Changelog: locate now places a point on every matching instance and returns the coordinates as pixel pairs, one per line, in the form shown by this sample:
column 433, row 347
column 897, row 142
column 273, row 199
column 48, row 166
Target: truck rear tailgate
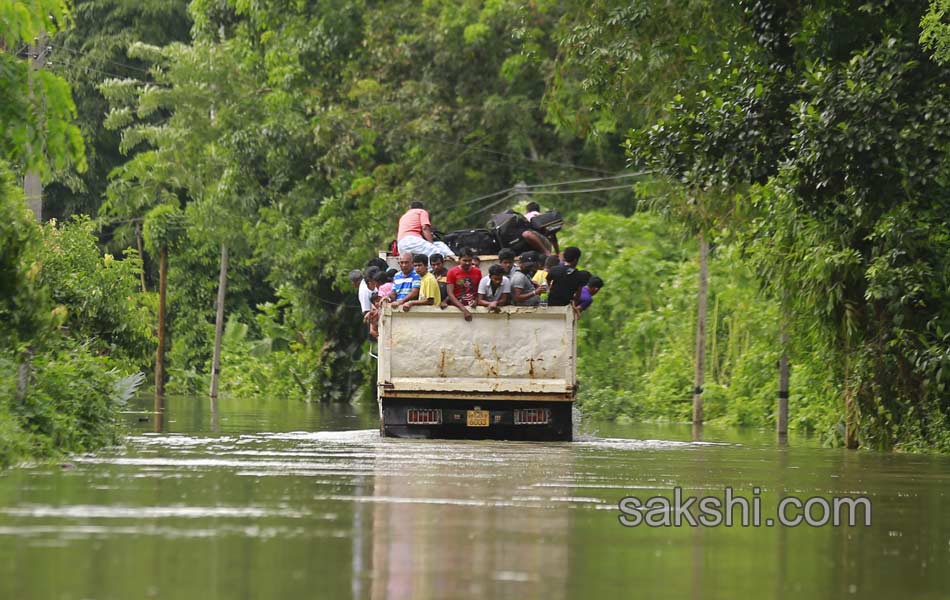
column 520, row 353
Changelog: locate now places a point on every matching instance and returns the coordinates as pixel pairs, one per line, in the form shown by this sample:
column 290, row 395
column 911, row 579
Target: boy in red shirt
column 461, row 284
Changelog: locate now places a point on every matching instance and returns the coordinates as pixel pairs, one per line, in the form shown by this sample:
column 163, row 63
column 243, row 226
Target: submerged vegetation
column 802, row 146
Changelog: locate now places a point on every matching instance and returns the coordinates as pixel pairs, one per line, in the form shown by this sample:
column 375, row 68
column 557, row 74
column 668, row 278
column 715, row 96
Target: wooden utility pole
column 219, row 328
column 699, row 378
column 781, row 416
column 160, row 352
column 850, row 406
column 32, row 185
column 23, row 376
column 138, row 241
column 784, row 369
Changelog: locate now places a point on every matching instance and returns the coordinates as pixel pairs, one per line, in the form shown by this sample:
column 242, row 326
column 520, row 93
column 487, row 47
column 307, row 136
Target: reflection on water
column 300, row 501
column 432, row 538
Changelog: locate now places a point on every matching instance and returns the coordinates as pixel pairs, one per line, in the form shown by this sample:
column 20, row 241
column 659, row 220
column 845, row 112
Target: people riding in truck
column 532, row 210
column 429, row 294
column 523, row 294
column 540, row 276
column 566, row 280
column 523, row 290
column 367, row 286
column 415, row 234
column 384, row 284
column 506, row 258
column 461, row 284
column 588, row 292
column 383, row 289
column 406, row 282
column 494, row 289
column 438, row 270
column 515, row 232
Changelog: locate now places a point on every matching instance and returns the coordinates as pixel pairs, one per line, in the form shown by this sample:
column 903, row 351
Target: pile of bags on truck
column 506, row 230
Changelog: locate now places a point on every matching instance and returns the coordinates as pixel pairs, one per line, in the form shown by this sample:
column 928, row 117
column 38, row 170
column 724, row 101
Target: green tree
column 92, row 50
column 37, row 112
column 846, row 137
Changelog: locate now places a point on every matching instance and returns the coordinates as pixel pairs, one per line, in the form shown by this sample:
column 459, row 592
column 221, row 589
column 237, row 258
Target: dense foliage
column 805, row 141
column 831, row 121
column 74, row 329
column 74, row 332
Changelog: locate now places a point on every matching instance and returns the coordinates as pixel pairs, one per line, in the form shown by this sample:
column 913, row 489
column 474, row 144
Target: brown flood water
column 288, row 500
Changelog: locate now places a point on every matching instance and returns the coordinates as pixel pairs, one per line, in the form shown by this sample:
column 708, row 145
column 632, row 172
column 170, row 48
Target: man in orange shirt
column 415, row 234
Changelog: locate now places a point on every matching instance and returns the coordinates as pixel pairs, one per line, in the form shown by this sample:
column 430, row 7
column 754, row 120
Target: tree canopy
column 805, row 142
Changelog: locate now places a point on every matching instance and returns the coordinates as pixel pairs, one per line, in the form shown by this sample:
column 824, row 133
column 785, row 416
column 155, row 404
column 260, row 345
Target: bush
column 74, row 324
column 105, row 307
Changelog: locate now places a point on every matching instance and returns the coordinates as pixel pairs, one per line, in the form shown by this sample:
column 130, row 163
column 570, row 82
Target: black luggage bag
column 482, row 241
column 508, row 227
column 548, row 223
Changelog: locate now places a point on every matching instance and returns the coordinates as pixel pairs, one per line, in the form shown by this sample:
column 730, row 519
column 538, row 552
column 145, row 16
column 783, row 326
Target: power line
column 555, row 184
column 485, row 197
column 586, row 191
column 589, row 180
column 544, row 192
column 492, row 205
column 515, row 156
column 118, row 64
column 72, row 64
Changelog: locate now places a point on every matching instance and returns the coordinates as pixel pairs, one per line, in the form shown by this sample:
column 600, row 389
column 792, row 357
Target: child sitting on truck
column 429, row 294
column 384, row 288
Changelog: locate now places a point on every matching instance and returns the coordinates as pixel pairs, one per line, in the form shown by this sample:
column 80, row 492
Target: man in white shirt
column 494, row 290
column 366, row 286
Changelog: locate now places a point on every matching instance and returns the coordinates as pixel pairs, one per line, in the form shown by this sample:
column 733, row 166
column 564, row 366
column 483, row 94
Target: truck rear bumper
column 449, row 419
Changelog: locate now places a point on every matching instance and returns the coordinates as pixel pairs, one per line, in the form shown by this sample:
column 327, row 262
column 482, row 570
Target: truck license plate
column 477, row 418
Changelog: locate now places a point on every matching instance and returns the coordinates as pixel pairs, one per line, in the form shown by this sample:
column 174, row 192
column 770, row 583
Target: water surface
column 287, row 500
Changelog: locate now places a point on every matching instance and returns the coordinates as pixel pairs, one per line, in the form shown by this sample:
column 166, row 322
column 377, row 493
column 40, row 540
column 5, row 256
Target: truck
column 503, row 375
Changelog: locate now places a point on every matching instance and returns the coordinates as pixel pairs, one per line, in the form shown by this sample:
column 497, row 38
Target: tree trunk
column 23, row 376
column 699, row 378
column 850, row 408
column 781, row 416
column 138, row 240
column 219, row 328
column 160, row 352
column 850, row 422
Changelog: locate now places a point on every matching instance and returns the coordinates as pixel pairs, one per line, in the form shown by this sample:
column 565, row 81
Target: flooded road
column 287, row 500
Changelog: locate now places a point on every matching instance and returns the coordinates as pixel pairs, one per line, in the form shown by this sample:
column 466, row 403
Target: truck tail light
column 532, row 416
column 424, row 416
